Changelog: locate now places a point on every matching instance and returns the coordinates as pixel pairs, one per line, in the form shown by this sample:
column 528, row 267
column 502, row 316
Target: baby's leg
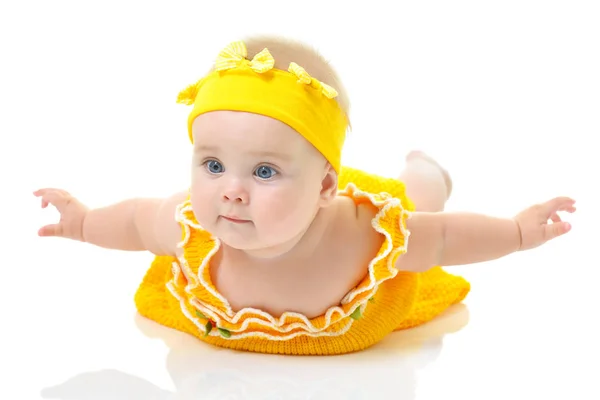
column 427, row 184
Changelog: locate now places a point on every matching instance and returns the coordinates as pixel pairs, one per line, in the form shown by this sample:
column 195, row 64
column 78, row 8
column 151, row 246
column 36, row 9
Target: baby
column 276, row 247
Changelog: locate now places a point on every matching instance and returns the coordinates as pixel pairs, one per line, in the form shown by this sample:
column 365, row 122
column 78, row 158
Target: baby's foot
column 415, row 154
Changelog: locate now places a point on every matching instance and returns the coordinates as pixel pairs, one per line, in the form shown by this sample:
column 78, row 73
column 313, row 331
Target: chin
column 246, row 244
column 238, row 242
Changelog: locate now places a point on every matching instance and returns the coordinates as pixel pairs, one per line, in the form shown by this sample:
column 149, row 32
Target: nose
column 234, row 192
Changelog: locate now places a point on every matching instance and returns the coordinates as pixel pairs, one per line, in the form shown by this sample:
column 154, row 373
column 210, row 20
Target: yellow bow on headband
column 304, row 77
column 234, row 55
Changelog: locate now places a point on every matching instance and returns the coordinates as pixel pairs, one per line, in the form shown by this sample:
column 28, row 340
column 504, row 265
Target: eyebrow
column 259, row 153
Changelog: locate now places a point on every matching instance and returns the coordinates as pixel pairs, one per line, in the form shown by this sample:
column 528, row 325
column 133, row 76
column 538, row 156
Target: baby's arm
column 465, row 238
column 134, row 224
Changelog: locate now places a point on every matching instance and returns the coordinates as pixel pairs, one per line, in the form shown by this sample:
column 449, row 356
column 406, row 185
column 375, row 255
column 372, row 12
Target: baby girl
column 276, row 247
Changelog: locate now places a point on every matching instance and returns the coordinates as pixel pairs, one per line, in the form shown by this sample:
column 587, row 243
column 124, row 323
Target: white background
column 505, row 94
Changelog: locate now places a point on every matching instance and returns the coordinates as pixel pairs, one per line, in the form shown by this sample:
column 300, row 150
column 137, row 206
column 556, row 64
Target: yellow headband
column 255, row 86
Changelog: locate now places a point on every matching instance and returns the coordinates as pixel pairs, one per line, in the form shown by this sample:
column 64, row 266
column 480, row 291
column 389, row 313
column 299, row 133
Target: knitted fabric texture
column 178, row 292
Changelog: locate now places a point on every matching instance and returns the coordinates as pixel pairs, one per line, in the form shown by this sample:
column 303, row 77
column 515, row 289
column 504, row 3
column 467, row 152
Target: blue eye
column 214, row 167
column 264, row 172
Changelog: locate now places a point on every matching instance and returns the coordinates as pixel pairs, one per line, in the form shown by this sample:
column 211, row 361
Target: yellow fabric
column 179, row 293
column 293, row 97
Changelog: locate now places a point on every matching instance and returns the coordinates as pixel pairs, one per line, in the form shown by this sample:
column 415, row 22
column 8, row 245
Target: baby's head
column 267, row 148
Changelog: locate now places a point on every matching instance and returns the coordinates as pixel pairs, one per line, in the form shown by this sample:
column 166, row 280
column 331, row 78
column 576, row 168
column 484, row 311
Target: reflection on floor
column 200, row 371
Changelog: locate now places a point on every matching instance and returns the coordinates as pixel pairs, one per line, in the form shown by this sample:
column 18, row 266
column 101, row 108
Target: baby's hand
column 534, row 226
column 72, row 214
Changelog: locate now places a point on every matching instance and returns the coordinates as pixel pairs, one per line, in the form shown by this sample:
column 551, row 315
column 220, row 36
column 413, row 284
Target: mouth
column 235, row 220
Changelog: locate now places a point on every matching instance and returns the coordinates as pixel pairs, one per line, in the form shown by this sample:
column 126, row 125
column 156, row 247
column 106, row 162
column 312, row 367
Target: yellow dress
column 178, row 292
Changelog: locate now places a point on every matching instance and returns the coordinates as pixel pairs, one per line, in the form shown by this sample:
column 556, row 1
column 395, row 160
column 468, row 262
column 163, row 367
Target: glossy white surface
column 505, row 96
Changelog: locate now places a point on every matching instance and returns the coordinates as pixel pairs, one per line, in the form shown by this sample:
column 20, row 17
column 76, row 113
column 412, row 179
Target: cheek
column 202, row 200
column 283, row 206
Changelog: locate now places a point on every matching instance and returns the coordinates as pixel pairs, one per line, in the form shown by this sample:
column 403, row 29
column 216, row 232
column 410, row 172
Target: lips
column 235, row 219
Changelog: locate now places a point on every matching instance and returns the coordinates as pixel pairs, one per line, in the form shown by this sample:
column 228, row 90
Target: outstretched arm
column 133, row 224
column 466, row 238
column 146, row 224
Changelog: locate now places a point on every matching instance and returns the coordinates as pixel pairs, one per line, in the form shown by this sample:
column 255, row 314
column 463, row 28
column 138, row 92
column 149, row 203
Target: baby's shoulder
column 357, row 211
column 365, row 220
column 353, row 237
column 353, row 217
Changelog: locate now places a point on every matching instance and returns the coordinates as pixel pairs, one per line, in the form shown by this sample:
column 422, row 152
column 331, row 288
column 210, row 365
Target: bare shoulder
column 423, row 248
column 157, row 225
column 354, row 240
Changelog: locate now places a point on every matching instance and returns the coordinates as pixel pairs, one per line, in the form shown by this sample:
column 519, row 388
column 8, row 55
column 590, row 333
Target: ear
column 329, row 186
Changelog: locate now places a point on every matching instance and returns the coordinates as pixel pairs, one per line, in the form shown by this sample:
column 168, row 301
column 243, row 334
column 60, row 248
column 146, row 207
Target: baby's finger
column 57, row 199
column 555, row 218
column 558, row 204
column 51, row 230
column 43, row 191
column 552, row 231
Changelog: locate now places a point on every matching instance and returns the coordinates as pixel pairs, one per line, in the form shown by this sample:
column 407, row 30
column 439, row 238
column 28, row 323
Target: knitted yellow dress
column 178, row 292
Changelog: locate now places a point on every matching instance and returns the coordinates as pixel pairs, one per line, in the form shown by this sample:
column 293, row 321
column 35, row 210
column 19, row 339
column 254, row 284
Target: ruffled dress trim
column 211, row 313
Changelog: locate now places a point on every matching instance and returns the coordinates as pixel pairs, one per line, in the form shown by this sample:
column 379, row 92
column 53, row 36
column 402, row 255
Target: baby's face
column 256, row 182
